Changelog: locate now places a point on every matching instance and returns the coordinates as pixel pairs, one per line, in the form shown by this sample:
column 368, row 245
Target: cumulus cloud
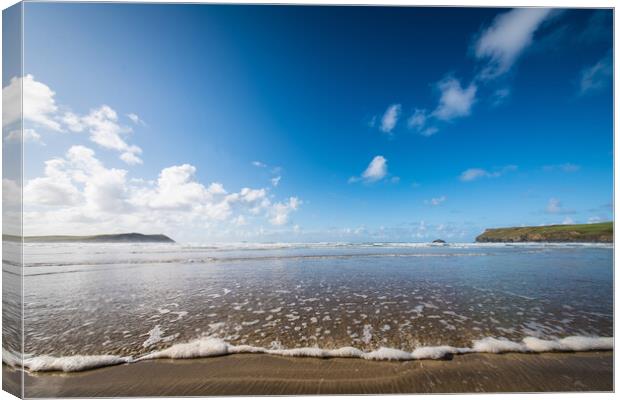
column 501, row 44
column 390, row 118
column 72, row 121
column 39, row 105
column 455, row 101
column 259, row 164
column 376, row 170
column 78, row 192
column 280, row 211
column 597, row 76
column 435, row 201
column 27, row 136
column 40, row 109
column 472, row 174
column 105, row 130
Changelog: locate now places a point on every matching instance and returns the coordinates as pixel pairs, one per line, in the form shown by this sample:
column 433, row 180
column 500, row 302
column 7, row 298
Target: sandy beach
column 247, row 374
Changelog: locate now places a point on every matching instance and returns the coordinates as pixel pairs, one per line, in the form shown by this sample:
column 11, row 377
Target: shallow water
column 135, row 299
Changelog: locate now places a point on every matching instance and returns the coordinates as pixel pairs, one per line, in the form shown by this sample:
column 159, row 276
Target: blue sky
column 226, row 123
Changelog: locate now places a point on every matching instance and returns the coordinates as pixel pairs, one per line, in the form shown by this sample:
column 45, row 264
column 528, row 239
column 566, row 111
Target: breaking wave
column 212, row 347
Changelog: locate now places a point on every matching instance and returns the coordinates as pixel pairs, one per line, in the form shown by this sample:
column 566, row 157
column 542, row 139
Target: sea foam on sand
column 211, row 347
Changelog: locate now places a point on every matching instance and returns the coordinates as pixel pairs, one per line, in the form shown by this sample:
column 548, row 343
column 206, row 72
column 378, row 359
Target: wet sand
column 248, row 374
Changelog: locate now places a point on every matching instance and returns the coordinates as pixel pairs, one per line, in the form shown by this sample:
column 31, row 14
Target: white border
column 466, row 3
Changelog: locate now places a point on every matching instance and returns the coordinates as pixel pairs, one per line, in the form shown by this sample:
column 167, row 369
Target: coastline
column 260, row 374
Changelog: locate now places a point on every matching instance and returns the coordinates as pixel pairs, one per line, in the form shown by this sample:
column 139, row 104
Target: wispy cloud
column 554, row 206
column 472, row 174
column 259, row 164
column 454, row 101
column 566, row 167
column 390, row 118
column 136, row 119
column 500, row 96
column 417, row 120
column 376, row 170
column 435, row 201
column 501, row 44
column 496, row 49
column 597, row 76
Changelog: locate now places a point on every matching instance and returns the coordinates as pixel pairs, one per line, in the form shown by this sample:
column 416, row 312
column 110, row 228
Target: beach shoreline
column 260, row 374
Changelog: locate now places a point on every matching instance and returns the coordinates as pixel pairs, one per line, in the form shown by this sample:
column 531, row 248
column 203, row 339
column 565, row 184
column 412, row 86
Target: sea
column 88, row 305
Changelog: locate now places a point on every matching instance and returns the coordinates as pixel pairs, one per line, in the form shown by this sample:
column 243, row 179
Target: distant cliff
column 593, row 233
column 114, row 238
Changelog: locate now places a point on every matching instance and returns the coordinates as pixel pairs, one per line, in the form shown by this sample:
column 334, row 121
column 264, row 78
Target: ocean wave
column 204, row 260
column 213, row 347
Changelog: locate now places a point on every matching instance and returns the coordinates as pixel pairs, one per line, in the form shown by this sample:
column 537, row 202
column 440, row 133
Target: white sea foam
column 211, row 347
column 65, row 364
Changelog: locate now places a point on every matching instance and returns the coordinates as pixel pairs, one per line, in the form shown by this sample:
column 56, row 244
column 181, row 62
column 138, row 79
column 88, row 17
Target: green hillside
column 600, row 232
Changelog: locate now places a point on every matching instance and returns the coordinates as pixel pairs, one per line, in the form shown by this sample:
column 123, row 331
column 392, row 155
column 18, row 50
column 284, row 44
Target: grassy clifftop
column 602, row 232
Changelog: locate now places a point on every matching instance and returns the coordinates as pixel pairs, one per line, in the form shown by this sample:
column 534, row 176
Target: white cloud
column 79, row 178
column 79, row 194
column 500, row 96
column 275, row 181
column 29, row 136
column 239, row 221
column 376, row 170
column 568, row 221
column 417, row 120
column 435, row 201
column 259, row 164
column 136, row 119
column 104, row 129
column 72, row 121
column 594, row 220
column 372, row 122
column 430, row 131
column 280, row 211
column 597, row 76
column 566, row 167
column 554, row 206
column 39, row 106
column 455, row 101
column 130, row 158
column 41, row 110
column 55, row 188
column 11, row 194
column 390, row 118
column 508, row 36
column 472, row 174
